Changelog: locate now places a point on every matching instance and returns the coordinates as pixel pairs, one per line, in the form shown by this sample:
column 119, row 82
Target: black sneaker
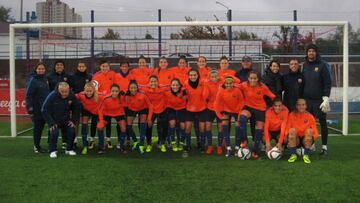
column 38, row 150
column 324, row 152
column 101, row 151
column 228, row 152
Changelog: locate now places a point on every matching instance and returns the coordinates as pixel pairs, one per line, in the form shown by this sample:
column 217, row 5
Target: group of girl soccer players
column 178, row 99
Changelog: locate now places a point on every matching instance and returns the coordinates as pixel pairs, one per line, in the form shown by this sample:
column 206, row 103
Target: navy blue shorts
column 201, row 116
column 256, row 114
column 117, row 118
column 211, row 116
column 131, row 113
column 178, row 115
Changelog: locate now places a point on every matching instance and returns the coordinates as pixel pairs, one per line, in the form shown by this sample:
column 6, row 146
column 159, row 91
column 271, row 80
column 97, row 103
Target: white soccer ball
column 244, row 153
column 274, row 154
column 300, row 151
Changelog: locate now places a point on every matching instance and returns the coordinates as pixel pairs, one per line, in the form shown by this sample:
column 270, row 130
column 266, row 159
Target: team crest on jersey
column 281, row 118
column 65, row 79
column 69, row 102
column 316, row 69
column 306, row 121
column 234, row 95
column 299, row 80
column 258, row 92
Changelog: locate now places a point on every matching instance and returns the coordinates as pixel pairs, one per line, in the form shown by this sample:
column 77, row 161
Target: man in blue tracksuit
column 61, row 110
column 317, row 87
column 37, row 90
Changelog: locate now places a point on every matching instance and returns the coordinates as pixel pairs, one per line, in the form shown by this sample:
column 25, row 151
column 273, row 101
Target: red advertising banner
column 5, row 102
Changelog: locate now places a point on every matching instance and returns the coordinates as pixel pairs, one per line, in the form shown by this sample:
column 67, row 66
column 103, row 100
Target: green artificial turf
column 165, row 177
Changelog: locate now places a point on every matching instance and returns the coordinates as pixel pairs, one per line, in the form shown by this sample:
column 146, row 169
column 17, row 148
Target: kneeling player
column 112, row 107
column 91, row 102
column 301, row 130
column 61, row 111
column 275, row 124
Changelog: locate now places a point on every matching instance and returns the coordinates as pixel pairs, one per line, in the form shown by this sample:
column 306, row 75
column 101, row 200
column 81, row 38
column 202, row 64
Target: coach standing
column 317, row 86
column 61, row 111
column 36, row 92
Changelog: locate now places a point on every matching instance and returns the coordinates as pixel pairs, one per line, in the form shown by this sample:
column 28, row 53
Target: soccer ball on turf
column 300, row 151
column 274, row 154
column 244, row 153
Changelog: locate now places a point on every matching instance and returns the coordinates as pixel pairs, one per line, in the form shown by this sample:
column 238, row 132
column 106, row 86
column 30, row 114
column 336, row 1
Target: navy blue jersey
column 37, row 89
column 58, row 110
column 78, row 81
column 54, row 78
column 317, row 79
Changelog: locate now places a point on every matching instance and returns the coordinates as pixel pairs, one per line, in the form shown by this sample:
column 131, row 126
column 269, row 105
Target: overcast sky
column 146, row 10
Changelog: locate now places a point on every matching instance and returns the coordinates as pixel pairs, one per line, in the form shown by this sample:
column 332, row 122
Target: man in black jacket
column 37, row 90
column 292, row 84
column 317, row 87
column 61, row 110
column 246, row 67
column 80, row 78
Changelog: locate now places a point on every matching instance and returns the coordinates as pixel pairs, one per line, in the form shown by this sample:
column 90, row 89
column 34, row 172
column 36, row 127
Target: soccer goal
column 261, row 40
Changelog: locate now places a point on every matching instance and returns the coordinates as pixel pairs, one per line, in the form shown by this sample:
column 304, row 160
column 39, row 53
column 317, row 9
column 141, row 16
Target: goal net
column 116, row 41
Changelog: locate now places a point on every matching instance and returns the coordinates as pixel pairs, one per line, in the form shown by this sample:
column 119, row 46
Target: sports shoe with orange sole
column 219, row 150
column 209, row 150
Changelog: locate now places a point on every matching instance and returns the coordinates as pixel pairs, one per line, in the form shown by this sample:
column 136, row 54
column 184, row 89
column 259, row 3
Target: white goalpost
column 343, row 24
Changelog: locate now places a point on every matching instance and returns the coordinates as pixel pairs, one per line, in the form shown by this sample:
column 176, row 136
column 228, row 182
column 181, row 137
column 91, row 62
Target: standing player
column 246, row 67
column 137, row 104
column 80, row 78
column 212, row 87
column 36, row 92
column 61, row 111
column 254, row 92
column 90, row 101
column 176, row 112
column 224, row 68
column 112, row 107
column 272, row 79
column 156, row 95
column 142, row 73
column 105, row 78
column 182, row 69
column 293, row 84
column 122, row 79
column 229, row 102
column 202, row 68
column 301, row 130
column 58, row 75
column 163, row 73
column 78, row 81
column 317, row 86
column 275, row 124
column 196, row 108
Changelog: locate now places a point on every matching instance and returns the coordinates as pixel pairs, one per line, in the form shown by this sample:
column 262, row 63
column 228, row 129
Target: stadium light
column 344, row 24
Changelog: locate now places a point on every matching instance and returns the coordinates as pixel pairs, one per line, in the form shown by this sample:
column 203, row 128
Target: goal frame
column 344, row 24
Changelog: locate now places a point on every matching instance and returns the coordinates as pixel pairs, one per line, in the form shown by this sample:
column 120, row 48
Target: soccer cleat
column 292, row 158
column 118, row 146
column 70, row 152
column 53, row 154
column 148, row 148
column 141, row 149
column 63, row 146
column 236, row 151
column 306, row 159
column 84, row 151
column 180, row 147
column 109, row 145
column 154, row 140
column 209, row 150
column 92, row 144
column 135, row 145
column 163, row 148
column 101, row 151
column 323, row 152
column 254, row 155
column 174, row 147
column 228, row 152
column 219, row 150
column 38, row 150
